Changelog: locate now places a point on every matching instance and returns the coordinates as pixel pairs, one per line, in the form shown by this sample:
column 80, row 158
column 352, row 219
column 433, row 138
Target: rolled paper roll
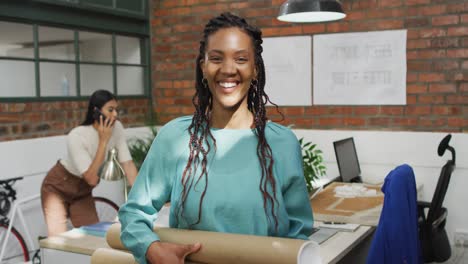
column 233, row 248
column 107, row 255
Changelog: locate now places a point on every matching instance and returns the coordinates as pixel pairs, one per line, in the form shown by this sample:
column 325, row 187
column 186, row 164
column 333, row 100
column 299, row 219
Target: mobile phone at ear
column 97, row 113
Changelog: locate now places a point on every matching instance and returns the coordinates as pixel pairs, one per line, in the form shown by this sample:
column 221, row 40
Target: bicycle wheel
column 15, row 250
column 106, row 209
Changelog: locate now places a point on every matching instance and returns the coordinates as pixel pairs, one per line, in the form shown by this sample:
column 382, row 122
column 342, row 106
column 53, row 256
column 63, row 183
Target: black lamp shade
column 310, row 11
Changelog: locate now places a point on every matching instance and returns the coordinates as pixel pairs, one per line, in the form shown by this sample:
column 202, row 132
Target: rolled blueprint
column 233, row 248
column 115, row 256
column 108, row 255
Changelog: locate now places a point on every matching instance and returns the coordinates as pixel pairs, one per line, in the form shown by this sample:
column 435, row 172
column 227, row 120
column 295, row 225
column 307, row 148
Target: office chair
column 434, row 241
column 396, row 238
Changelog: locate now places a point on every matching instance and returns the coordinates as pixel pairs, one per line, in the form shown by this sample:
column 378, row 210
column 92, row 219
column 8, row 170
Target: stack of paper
column 321, row 235
column 339, row 226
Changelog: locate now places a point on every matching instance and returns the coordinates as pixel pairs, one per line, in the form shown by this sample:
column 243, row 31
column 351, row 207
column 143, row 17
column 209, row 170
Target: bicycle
column 17, row 248
column 14, row 248
column 106, row 209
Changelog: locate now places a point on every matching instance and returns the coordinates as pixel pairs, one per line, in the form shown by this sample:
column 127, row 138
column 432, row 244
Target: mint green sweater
column 233, row 201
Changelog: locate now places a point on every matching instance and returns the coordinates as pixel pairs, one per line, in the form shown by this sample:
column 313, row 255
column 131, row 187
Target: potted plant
column 139, row 147
column 312, row 163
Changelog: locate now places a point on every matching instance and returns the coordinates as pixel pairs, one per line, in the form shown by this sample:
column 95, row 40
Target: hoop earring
column 205, row 82
column 254, row 83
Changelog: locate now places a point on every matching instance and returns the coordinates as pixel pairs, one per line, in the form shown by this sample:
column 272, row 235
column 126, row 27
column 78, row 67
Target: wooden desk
column 74, row 247
column 364, row 210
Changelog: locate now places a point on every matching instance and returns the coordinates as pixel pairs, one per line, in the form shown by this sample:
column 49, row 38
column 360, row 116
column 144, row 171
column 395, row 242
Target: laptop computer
column 347, row 159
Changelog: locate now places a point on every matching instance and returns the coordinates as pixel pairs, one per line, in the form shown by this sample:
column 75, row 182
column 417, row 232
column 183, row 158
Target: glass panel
column 128, row 50
column 16, row 40
column 104, row 3
column 17, row 78
column 57, row 2
column 95, row 77
column 55, row 43
column 130, row 80
column 95, row 47
column 58, row 79
column 134, row 5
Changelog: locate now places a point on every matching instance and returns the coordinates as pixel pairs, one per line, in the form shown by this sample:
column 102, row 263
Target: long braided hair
column 199, row 129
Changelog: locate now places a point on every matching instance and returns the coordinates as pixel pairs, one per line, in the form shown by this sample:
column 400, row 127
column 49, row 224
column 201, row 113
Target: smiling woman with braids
column 226, row 168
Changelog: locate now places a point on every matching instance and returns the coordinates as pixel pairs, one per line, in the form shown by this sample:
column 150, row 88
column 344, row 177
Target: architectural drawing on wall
column 288, row 69
column 364, row 68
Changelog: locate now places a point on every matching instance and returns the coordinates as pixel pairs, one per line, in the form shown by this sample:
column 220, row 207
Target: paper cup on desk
column 234, row 248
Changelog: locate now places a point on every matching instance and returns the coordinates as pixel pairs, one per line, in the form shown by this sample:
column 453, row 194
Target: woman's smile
column 227, row 87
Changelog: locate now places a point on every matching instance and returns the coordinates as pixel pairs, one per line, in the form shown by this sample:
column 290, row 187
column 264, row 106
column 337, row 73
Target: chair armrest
column 421, row 214
column 439, row 219
column 422, row 204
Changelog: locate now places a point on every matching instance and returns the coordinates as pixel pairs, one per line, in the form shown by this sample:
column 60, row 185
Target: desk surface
column 327, row 206
column 364, row 210
column 332, row 250
column 337, row 246
column 74, row 241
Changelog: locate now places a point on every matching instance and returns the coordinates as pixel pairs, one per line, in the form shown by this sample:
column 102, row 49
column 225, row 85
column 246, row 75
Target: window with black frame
column 17, row 67
column 40, row 61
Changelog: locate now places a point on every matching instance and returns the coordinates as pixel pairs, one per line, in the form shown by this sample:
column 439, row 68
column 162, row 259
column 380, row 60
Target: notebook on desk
column 348, row 162
column 98, row 229
column 340, row 226
column 320, row 235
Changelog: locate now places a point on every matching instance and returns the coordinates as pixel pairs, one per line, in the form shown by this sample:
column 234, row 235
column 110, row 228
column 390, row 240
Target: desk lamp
column 111, row 170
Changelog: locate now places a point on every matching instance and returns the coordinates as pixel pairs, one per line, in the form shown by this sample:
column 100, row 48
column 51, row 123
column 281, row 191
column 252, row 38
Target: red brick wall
column 40, row 119
column 437, row 59
column 437, row 79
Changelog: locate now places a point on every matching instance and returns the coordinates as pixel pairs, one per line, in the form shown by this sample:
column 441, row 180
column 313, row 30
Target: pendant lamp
column 302, row 11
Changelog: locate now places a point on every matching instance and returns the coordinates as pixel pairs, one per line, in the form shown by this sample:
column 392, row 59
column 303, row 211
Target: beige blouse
column 82, row 144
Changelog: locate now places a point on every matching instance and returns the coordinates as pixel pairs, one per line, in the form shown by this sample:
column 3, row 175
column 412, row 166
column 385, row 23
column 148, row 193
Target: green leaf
column 139, row 147
column 312, row 163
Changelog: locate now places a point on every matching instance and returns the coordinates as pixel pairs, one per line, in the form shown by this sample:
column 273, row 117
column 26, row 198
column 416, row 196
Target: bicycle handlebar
column 11, row 180
column 7, row 195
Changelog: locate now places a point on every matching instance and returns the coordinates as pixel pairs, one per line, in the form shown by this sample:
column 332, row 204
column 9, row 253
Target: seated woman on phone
column 66, row 191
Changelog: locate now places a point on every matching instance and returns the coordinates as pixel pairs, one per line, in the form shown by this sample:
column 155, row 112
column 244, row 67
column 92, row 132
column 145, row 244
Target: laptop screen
column 346, row 157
